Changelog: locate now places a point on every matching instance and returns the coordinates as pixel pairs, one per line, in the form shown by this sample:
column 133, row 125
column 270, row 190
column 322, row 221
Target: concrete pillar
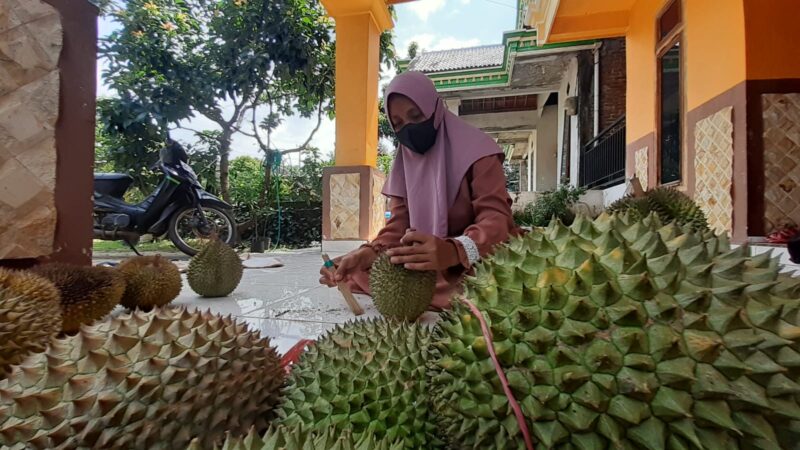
column 547, row 163
column 353, row 207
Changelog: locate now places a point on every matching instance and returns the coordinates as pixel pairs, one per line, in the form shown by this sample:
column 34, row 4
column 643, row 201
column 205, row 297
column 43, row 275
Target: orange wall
column 773, row 39
column 715, row 48
column 641, row 64
column 713, row 56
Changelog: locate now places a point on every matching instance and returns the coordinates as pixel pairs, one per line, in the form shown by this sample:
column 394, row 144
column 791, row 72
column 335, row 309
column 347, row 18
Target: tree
column 127, row 140
column 413, row 49
column 178, row 58
column 224, row 60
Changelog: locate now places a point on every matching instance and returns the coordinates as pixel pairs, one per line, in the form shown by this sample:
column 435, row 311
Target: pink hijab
column 429, row 183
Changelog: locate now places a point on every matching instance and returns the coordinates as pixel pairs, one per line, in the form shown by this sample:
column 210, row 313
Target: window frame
column 675, row 36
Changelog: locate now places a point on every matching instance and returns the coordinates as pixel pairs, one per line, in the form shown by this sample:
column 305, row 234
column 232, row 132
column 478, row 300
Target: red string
column 294, row 354
column 487, row 334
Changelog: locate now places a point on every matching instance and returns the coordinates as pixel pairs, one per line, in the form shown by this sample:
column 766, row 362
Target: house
column 558, row 109
column 47, row 113
column 713, row 99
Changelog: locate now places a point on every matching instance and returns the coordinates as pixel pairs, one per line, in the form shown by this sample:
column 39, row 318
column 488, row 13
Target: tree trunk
column 224, row 164
column 262, row 199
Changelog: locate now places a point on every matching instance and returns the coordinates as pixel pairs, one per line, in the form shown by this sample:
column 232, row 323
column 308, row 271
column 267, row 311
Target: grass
column 162, row 246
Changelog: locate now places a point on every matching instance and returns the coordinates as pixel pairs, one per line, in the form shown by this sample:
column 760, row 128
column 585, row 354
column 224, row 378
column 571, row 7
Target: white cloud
column 465, row 2
column 450, row 42
column 424, row 8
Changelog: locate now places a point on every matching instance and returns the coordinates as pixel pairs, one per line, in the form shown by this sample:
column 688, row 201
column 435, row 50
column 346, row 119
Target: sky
column 433, row 24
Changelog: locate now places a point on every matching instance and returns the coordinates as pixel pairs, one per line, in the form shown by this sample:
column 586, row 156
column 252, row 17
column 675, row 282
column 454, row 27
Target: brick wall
column 612, row 81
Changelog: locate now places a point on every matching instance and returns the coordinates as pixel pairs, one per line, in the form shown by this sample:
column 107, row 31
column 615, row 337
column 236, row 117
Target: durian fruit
column 292, row 438
column 623, row 334
column 215, row 271
column 87, row 293
column 400, row 293
column 150, row 281
column 30, row 316
column 368, row 377
column 143, row 380
column 636, row 208
column 670, row 204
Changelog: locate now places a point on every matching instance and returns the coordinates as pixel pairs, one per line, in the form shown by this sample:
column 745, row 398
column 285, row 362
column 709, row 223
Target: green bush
column 556, row 203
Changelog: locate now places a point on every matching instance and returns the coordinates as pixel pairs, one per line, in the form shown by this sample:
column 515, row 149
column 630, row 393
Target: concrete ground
column 286, row 303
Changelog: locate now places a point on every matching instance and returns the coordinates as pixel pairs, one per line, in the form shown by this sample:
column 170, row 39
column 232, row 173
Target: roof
column 458, row 59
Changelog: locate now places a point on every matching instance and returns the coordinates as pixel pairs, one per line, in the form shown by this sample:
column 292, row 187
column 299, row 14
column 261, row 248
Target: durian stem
column 487, row 335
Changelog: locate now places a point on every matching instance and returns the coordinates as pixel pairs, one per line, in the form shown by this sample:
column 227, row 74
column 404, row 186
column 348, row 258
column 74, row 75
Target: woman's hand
column 424, row 252
column 359, row 260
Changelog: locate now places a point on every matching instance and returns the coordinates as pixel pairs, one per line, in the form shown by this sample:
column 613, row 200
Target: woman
column 447, row 194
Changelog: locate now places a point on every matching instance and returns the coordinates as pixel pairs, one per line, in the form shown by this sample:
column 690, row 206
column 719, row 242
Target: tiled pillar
column 47, row 113
column 353, row 208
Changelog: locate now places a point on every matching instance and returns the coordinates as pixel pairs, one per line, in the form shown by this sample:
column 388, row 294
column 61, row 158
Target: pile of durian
column 620, row 332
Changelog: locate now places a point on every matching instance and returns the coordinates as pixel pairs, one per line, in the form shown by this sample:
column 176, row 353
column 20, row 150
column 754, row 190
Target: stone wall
column 30, row 46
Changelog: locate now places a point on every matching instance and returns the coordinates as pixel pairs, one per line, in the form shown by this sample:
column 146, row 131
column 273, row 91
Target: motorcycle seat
column 112, row 177
column 113, row 184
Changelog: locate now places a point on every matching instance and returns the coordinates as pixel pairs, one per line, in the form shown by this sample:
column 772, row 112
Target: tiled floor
column 287, row 303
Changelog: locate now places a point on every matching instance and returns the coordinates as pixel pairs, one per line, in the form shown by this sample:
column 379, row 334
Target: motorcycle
column 179, row 208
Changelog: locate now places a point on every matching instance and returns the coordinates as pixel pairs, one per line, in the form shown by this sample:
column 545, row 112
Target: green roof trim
column 518, row 42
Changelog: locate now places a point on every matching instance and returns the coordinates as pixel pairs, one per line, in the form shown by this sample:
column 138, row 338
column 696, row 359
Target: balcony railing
column 603, row 158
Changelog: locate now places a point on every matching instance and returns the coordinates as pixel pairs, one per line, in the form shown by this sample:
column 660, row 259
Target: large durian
column 400, row 293
column 215, row 271
column 87, row 293
column 670, row 205
column 143, row 380
column 368, row 377
column 293, row 438
column 30, row 315
column 150, row 281
column 624, row 334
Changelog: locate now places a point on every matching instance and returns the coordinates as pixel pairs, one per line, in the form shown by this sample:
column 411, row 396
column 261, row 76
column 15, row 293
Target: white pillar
column 575, row 152
column 530, row 167
column 453, row 104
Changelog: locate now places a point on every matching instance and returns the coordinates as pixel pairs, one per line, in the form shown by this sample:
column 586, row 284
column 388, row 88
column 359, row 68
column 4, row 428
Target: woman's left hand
column 424, row 252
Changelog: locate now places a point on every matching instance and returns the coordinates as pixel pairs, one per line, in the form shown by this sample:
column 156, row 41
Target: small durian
column 669, row 204
column 635, row 207
column 143, row 380
column 149, row 281
column 87, row 293
column 215, row 271
column 30, row 316
column 400, row 293
column 295, row 438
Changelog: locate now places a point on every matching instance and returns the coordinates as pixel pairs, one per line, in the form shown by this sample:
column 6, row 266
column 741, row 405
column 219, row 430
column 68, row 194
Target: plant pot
column 258, row 245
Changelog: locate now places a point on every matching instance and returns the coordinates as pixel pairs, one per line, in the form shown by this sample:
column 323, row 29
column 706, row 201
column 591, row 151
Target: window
column 669, row 20
column 670, row 98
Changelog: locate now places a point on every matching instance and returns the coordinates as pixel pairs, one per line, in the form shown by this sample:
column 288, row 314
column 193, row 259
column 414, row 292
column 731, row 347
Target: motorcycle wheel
column 185, row 233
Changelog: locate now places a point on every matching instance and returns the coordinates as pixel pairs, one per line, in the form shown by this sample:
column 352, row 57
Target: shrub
column 549, row 204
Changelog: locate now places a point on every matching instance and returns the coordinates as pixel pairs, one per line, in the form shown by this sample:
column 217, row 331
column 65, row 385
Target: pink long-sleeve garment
column 481, row 211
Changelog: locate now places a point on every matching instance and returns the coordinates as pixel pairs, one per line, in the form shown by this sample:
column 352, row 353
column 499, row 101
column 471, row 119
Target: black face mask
column 418, row 137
